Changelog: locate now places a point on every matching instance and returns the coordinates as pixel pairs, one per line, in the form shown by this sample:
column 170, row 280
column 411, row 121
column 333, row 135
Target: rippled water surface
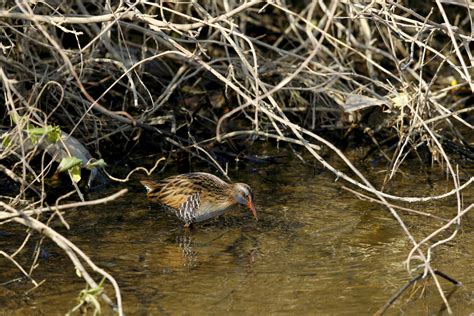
column 316, row 249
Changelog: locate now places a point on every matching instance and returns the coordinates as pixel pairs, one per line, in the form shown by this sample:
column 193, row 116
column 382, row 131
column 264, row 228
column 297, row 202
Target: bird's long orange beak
column 252, row 207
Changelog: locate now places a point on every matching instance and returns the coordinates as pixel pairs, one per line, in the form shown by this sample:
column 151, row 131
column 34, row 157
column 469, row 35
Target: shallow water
column 316, row 249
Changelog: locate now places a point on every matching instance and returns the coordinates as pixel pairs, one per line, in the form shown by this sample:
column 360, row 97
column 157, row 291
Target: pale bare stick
column 37, row 211
column 127, row 178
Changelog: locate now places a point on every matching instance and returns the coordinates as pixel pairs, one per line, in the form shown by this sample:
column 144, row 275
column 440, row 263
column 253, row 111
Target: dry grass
column 298, row 74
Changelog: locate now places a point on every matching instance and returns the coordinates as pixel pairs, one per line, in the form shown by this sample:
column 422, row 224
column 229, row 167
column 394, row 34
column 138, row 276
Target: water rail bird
column 197, row 196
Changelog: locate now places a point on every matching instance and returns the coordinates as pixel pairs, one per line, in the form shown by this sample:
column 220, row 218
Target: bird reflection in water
column 185, row 245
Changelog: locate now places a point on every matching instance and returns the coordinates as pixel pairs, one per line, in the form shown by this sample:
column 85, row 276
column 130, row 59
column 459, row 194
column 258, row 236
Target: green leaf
column 88, row 298
column 68, row 163
column 75, row 173
column 54, row 133
column 6, row 141
column 96, row 164
column 36, row 131
column 15, row 117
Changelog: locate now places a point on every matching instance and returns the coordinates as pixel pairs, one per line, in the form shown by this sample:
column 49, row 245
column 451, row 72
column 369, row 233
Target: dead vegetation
column 81, row 76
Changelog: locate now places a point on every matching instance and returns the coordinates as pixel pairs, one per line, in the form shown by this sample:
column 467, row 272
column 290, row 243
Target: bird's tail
column 150, row 185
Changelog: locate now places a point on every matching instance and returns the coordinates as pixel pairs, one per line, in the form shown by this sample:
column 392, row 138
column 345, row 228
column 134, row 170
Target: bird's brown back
column 175, row 190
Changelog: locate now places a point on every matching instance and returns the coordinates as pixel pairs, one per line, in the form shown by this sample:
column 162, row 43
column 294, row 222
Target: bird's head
column 243, row 195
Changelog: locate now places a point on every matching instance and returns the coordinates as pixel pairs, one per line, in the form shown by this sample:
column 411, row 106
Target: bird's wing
column 188, row 210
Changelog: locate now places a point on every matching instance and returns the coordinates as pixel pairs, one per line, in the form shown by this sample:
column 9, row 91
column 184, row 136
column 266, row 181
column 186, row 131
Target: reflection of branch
column 371, row 199
column 438, row 231
column 3, row 253
column 74, row 253
column 447, row 277
column 399, row 293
